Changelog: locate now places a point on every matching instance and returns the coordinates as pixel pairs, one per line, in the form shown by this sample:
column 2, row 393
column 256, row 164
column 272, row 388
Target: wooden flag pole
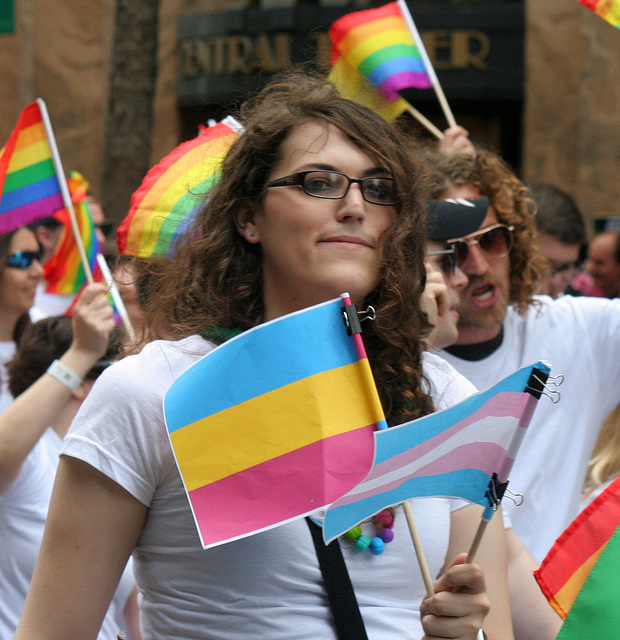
column 64, row 190
column 116, row 296
column 427, row 63
column 425, row 121
column 371, row 387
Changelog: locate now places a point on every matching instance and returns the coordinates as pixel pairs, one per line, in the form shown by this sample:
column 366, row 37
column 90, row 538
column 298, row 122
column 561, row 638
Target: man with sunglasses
column 503, row 326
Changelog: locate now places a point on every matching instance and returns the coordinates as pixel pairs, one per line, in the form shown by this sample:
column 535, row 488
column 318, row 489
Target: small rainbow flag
column 579, row 575
column 64, row 271
column 29, row 187
column 173, row 190
column 285, row 428
column 452, row 453
column 378, row 44
column 608, row 10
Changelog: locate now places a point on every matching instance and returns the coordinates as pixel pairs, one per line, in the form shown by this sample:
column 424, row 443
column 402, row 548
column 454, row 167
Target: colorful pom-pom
column 377, row 546
column 387, row 535
column 384, row 519
column 353, row 534
column 362, row 543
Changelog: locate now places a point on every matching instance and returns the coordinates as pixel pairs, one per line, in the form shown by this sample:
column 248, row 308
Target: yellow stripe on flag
column 565, row 597
column 28, row 156
column 216, row 447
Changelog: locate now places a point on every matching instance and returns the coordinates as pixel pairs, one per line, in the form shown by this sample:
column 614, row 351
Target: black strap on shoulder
column 342, row 600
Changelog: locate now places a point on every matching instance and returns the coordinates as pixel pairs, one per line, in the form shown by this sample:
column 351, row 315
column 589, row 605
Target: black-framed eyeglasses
column 22, row 259
column 495, row 242
column 334, row 185
column 448, row 261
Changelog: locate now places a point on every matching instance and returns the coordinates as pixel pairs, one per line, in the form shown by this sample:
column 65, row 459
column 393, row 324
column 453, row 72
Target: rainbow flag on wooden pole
column 384, row 47
column 173, row 191
column 608, row 10
column 29, row 185
column 579, row 575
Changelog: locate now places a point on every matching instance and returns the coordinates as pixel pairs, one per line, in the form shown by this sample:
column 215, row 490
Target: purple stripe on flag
column 404, row 80
column 304, row 487
column 28, row 213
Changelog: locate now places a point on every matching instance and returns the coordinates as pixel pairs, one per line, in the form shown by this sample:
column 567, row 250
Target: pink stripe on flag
column 30, row 212
column 403, row 80
column 303, row 487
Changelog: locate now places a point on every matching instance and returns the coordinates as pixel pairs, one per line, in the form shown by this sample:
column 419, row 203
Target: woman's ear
column 246, row 227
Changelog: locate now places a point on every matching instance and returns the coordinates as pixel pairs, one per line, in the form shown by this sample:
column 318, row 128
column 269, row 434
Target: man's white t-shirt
column 580, row 339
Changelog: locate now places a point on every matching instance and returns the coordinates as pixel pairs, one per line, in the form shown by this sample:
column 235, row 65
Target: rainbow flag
column 172, row 192
column 379, row 45
column 284, row 428
column 29, row 187
column 353, row 86
column 64, row 271
column 465, row 452
column 579, row 575
column 608, row 10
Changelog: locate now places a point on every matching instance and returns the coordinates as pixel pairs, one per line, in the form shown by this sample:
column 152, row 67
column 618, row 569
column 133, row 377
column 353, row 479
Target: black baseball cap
column 454, row 217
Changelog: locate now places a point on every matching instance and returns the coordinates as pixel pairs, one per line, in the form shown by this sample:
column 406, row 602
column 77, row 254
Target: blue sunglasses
column 22, row 259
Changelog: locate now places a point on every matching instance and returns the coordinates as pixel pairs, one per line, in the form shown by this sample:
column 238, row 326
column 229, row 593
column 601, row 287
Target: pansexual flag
column 173, row 190
column 272, row 425
column 64, row 271
column 378, row 44
column 579, row 575
column 451, row 453
column 29, row 187
column 608, row 10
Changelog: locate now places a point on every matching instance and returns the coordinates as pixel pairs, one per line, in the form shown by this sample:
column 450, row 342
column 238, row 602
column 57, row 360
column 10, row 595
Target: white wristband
column 63, row 374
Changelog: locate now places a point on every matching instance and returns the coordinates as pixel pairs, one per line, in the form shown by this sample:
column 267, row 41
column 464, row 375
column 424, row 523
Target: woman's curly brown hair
column 215, row 278
column 513, row 205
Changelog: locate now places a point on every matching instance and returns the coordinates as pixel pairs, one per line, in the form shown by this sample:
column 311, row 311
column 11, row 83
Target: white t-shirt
column 580, row 339
column 264, row 586
column 49, row 304
column 7, row 352
column 23, row 511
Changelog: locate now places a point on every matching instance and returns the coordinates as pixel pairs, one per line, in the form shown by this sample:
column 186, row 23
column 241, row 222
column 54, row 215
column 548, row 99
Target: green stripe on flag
column 371, row 62
column 28, row 175
column 595, row 614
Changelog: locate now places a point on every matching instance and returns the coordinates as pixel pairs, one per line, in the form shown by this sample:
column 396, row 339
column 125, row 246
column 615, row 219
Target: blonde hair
column 605, row 462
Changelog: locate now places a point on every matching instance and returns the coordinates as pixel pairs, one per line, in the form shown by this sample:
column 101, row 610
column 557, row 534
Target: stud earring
column 251, row 234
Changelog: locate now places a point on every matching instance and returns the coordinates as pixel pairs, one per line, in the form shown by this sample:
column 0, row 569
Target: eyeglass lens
column 328, row 184
column 496, row 243
column 22, row 259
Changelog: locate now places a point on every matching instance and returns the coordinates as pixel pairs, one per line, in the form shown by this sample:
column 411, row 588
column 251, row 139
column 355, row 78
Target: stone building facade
column 539, row 81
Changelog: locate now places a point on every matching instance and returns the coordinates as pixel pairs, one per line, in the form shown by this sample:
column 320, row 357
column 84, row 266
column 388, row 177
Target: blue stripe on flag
column 430, row 425
column 469, row 484
column 280, row 352
column 394, row 66
column 29, row 193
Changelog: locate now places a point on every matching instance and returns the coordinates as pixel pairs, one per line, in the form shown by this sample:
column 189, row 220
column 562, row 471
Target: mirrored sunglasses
column 494, row 242
column 22, row 259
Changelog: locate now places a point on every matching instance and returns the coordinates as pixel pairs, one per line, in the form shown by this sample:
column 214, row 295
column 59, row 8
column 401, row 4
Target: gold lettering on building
column 241, row 54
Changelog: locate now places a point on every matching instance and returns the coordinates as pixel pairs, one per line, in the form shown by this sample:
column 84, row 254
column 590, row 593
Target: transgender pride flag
column 451, row 453
column 272, row 425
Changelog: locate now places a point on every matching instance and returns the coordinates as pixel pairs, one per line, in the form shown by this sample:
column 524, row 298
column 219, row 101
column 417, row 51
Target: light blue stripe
column 468, row 484
column 30, row 193
column 394, row 66
column 259, row 361
column 393, row 442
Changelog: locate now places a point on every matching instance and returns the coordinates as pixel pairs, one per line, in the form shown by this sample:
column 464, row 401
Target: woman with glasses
column 318, row 196
column 20, row 273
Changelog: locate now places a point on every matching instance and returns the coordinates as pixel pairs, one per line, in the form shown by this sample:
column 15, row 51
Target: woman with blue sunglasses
column 20, row 273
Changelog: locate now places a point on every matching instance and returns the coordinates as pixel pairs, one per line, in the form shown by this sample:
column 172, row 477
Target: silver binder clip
column 368, row 313
column 517, row 498
column 543, row 387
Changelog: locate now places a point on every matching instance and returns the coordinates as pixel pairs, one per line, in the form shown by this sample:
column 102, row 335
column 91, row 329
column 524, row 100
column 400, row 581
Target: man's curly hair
column 513, row 205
